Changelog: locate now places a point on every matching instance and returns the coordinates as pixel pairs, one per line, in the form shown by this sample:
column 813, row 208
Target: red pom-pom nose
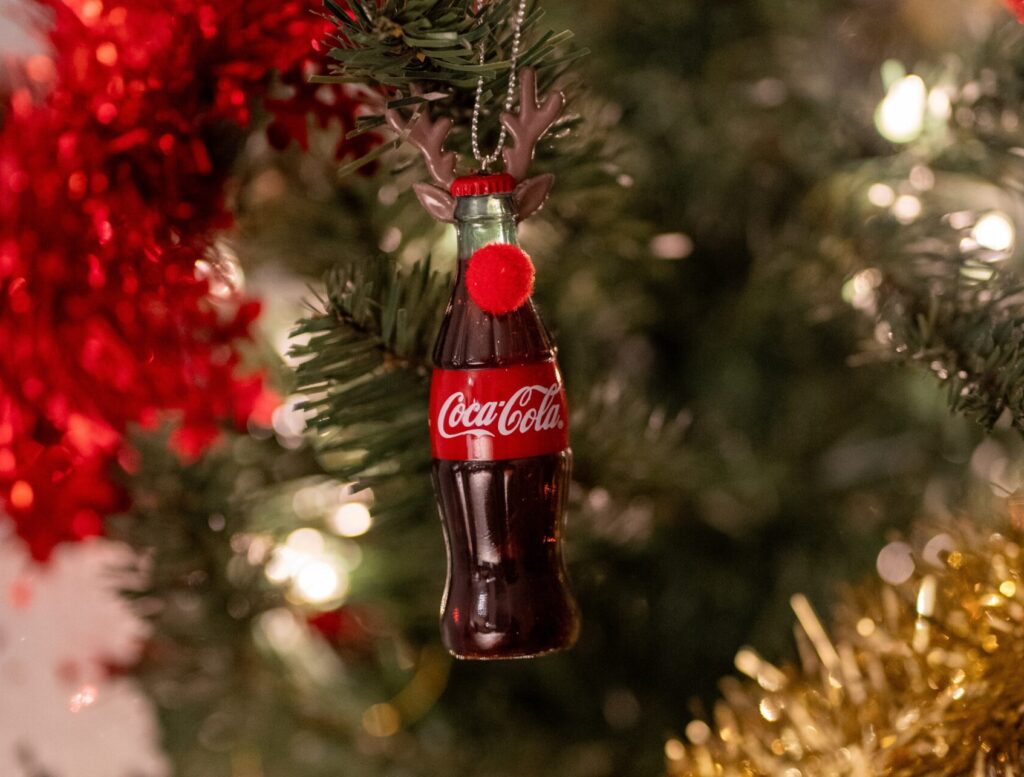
column 500, row 277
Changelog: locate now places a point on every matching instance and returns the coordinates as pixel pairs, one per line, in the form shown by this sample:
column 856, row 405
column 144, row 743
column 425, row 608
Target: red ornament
column 1017, row 6
column 350, row 630
column 500, row 278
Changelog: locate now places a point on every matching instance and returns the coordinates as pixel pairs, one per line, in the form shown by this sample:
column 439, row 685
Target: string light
column 900, row 115
column 306, row 542
column 906, row 208
column 881, row 195
column 994, row 231
column 316, row 573
column 860, row 290
column 317, row 582
column 352, row 519
column 289, row 422
column 671, row 245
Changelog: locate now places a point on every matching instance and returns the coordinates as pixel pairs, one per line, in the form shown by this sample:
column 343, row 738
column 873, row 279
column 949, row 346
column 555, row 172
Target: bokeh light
column 352, row 519
column 994, row 231
column 900, row 115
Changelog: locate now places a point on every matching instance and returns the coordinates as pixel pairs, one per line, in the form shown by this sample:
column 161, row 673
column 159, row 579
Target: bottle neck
column 479, row 221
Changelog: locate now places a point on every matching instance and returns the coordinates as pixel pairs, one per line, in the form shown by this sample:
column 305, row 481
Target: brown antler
column 429, row 136
column 527, row 126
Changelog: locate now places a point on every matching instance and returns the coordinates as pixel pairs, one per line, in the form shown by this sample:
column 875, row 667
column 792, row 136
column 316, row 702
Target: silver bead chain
column 510, row 98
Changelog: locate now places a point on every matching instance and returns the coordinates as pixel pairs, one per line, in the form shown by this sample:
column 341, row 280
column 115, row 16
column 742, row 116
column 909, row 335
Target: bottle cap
column 478, row 185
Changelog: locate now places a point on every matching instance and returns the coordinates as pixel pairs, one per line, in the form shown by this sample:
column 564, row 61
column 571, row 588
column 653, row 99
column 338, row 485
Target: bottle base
column 556, row 635
column 509, row 654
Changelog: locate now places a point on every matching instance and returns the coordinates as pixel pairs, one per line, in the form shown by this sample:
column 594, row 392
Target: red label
column 498, row 413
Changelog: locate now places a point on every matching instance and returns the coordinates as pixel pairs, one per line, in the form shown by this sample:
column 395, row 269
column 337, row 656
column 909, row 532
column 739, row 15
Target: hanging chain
column 510, row 97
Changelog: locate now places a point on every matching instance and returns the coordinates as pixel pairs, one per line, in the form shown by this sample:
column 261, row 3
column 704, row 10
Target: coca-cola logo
column 493, row 413
column 529, row 409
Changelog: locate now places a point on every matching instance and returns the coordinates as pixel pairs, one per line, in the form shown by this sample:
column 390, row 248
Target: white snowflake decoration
column 21, row 29
column 63, row 626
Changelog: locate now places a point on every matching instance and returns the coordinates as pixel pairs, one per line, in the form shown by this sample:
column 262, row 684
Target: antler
column 527, row 126
column 429, row 136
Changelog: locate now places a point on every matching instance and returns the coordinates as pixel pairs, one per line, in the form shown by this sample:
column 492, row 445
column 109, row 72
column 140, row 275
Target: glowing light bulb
column 308, row 542
column 900, row 114
column 859, row 291
column 906, row 208
column 995, row 232
column 317, row 581
column 283, row 564
column 671, row 245
column 281, row 629
column 881, row 195
column 939, row 104
column 289, row 422
column 351, row 520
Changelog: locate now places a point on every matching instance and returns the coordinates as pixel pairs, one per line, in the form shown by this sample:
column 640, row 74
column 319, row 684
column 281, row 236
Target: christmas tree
column 220, row 553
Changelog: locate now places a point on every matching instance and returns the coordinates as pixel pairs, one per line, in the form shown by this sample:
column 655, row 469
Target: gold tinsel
column 920, row 676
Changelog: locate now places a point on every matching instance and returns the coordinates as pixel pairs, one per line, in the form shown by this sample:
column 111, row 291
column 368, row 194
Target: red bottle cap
column 478, row 185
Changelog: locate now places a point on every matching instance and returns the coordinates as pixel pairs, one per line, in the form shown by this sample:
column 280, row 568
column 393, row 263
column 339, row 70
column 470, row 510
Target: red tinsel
column 111, row 187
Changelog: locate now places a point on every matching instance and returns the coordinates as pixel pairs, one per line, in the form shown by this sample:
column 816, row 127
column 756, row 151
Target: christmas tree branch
column 203, row 598
column 428, row 52
column 970, row 335
column 939, row 271
column 396, row 44
column 365, row 369
column 236, row 671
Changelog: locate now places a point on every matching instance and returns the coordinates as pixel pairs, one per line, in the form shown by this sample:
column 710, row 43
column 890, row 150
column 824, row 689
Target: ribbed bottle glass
column 507, row 593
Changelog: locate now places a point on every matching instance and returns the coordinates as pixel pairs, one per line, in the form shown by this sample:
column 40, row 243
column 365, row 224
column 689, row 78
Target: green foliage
column 364, row 370
column 220, row 700
column 238, row 678
column 429, row 50
column 968, row 332
column 400, row 42
column 943, row 300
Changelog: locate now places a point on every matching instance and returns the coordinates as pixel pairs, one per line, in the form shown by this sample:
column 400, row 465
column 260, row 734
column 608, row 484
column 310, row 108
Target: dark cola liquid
column 507, row 594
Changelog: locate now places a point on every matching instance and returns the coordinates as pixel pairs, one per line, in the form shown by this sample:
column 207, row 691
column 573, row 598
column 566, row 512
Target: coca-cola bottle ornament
column 498, row 415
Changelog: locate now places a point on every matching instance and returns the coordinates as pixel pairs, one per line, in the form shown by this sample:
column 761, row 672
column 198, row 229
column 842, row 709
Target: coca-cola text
column 498, row 413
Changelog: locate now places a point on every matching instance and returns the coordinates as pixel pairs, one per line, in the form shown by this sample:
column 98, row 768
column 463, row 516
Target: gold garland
column 923, row 675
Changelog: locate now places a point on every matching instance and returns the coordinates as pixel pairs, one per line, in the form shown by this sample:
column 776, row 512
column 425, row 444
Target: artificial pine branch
column 365, row 372
column 436, row 44
column 427, row 51
column 203, row 597
column 225, row 690
column 971, row 338
column 944, row 301
column 628, row 448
